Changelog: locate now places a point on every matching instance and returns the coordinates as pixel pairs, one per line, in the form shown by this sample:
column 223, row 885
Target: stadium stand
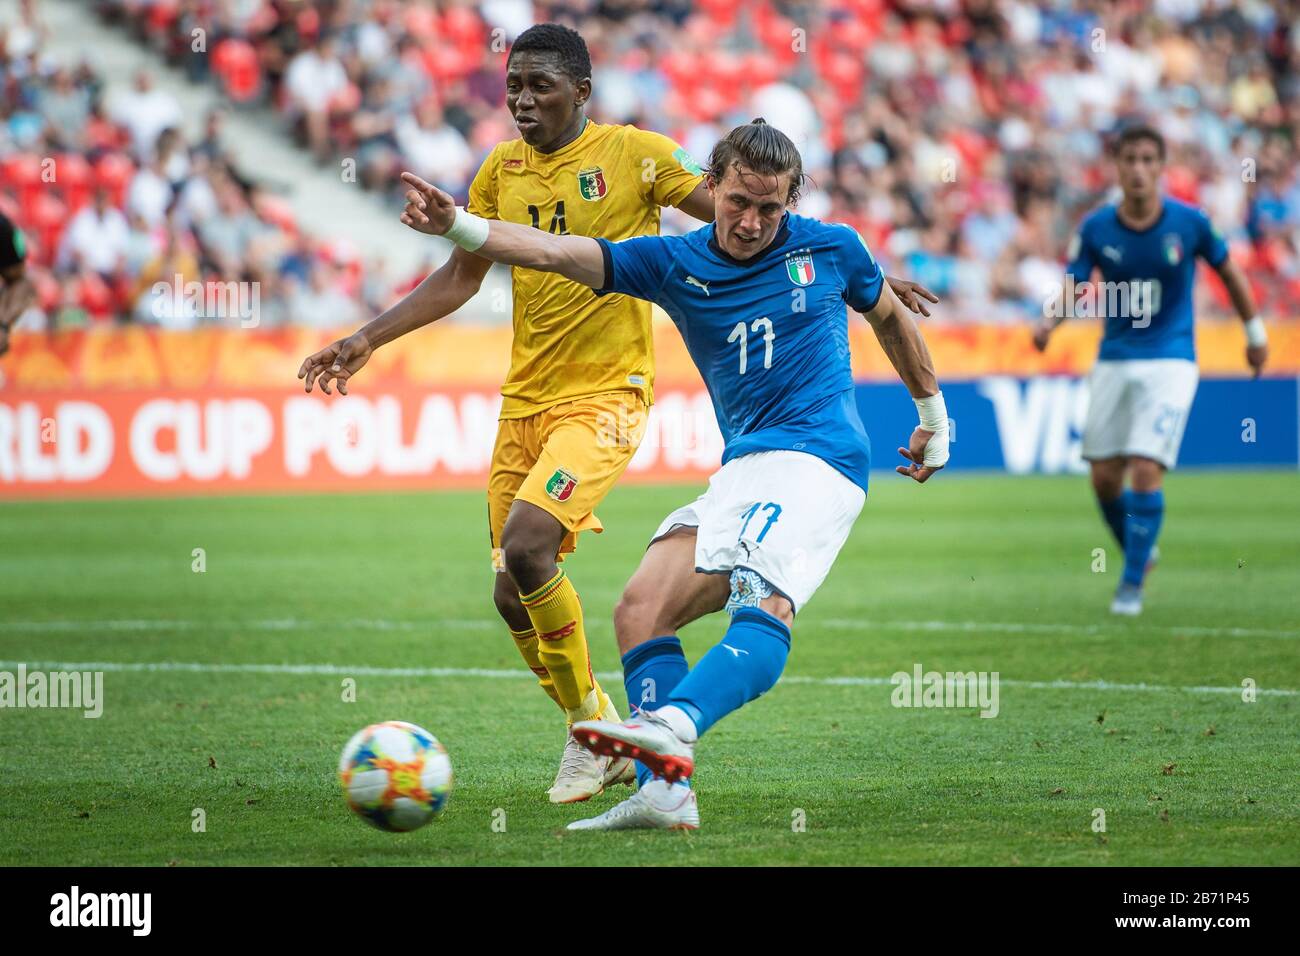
column 964, row 140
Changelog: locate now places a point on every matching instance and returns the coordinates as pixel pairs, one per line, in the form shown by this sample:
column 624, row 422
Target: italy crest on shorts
column 591, row 183
column 560, row 485
column 1173, row 245
column 800, row 268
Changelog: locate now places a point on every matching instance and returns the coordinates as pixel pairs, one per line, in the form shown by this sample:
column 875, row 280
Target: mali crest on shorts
column 561, row 484
column 609, row 183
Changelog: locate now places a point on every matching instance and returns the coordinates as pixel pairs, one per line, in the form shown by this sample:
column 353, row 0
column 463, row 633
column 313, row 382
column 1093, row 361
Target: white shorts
column 782, row 514
column 1139, row 407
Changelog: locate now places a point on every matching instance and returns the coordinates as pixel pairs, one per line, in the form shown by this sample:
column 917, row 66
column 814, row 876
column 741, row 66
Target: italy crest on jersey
column 1173, row 248
column 800, row 269
column 591, row 183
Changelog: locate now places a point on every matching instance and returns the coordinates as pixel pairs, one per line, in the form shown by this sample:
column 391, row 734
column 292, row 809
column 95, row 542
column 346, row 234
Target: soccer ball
column 395, row 776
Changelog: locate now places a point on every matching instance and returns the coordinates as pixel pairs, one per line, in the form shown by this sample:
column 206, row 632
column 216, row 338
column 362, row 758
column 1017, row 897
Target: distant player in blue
column 1141, row 390
column 760, row 297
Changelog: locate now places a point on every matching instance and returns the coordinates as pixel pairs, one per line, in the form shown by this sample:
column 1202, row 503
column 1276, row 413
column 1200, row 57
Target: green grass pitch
column 984, row 573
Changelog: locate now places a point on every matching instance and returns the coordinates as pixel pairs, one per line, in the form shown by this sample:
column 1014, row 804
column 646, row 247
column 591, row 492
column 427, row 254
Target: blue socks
column 744, row 665
column 1113, row 512
column 1144, row 510
column 651, row 671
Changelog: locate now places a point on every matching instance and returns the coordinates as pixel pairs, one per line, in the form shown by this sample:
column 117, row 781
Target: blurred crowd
column 963, row 138
column 120, row 211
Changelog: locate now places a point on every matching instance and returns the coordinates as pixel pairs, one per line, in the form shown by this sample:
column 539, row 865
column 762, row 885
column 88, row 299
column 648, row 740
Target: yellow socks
column 526, row 641
column 556, row 614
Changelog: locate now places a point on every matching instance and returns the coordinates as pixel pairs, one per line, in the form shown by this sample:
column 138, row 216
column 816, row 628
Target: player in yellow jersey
column 581, row 370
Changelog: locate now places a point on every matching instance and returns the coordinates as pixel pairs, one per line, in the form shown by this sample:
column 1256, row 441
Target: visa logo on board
column 1040, row 421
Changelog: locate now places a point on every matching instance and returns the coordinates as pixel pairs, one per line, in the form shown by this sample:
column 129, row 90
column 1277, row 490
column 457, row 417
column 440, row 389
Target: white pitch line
column 1015, row 627
column 194, row 667
column 275, row 624
column 478, row 624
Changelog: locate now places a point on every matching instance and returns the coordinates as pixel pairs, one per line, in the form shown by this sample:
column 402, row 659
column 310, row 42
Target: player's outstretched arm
column 442, row 292
column 1244, row 302
column 574, row 257
column 902, row 341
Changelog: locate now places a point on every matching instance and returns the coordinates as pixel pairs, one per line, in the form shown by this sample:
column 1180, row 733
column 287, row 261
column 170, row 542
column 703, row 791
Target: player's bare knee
column 1146, row 474
column 635, row 617
column 506, row 598
column 531, row 562
column 780, row 608
column 1108, row 478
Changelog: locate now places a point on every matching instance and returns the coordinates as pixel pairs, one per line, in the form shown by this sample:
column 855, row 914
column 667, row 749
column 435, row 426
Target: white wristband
column 1255, row 333
column 934, row 418
column 468, row 230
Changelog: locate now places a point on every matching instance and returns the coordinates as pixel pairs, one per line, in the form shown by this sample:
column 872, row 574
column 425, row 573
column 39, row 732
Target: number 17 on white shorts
column 781, row 514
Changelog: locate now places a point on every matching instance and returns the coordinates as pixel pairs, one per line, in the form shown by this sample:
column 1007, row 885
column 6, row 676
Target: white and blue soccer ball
column 395, row 776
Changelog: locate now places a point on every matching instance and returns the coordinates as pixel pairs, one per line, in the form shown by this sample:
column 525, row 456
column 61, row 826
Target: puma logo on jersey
column 1113, row 253
column 691, row 280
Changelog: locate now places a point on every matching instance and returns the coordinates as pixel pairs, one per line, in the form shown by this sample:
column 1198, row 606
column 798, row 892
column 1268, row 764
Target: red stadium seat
column 162, row 14
column 94, row 295
column 113, row 172
column 278, row 211
column 75, row 180
column 347, row 99
column 721, row 12
column 761, row 68
column 708, row 103
column 22, row 174
column 723, row 69
column 421, row 21
column 776, row 33
column 48, row 291
column 681, row 67
column 869, row 11
column 235, row 62
column 852, row 34
column 1182, row 183
column 464, row 28
column 446, row 62
column 845, row 72
column 46, row 218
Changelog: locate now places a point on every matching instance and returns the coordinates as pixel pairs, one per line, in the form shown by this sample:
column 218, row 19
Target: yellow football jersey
column 609, row 183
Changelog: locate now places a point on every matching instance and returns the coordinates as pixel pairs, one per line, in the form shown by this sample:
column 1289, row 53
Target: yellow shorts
column 564, row 460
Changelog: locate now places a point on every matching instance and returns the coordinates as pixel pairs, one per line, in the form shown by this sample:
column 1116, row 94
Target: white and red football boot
column 656, row 806
column 647, row 736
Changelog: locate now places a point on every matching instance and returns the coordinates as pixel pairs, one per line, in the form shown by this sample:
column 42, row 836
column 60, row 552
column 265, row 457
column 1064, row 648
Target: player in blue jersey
column 1141, row 389
column 760, row 299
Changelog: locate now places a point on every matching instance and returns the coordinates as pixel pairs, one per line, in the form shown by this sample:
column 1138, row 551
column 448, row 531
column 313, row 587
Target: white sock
column 680, row 723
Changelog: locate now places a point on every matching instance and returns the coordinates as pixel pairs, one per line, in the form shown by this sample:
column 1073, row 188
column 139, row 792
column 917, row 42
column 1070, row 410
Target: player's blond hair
column 761, row 148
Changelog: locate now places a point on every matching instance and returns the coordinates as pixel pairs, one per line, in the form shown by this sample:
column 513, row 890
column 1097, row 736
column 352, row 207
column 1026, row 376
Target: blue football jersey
column 1162, row 258
column 769, row 334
